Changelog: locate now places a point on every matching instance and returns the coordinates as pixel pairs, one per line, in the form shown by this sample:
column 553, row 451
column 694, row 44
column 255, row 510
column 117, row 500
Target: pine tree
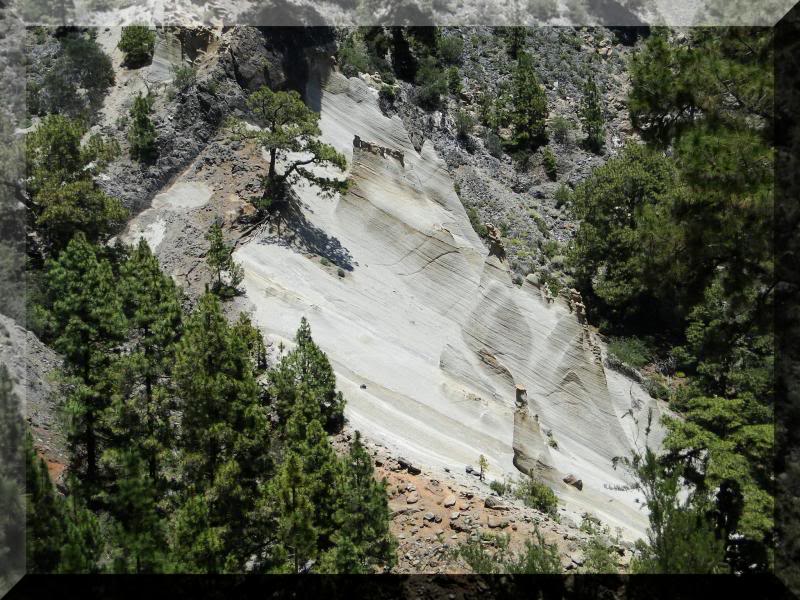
column 137, row 42
column 197, row 543
column 295, row 512
column 528, row 107
column 141, row 404
column 363, row 541
column 289, row 126
column 63, row 196
column 12, row 484
column 138, row 534
column 592, row 119
column 306, row 437
column 220, row 259
column 62, row 535
column 224, row 441
column 307, row 366
column 142, row 132
column 85, row 310
column 139, row 415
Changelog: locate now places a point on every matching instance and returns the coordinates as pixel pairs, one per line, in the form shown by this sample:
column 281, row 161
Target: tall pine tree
column 85, row 313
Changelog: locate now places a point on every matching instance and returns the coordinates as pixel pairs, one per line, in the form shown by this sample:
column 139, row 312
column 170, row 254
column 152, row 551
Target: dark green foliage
column 63, row 197
column 432, row 83
column 84, row 311
column 138, row 529
column 139, row 414
column 137, row 43
column 592, row 119
column 289, row 126
column 681, row 537
column 76, row 82
column 624, row 255
column 562, row 195
column 173, row 405
column 362, row 538
column 295, row 512
column 220, row 259
column 494, row 145
column 224, row 443
column 142, row 132
column 549, row 163
column 353, row 57
column 306, row 370
column 449, row 49
column 537, row 495
column 62, row 535
column 516, row 38
column 632, row 351
column 454, row 81
column 387, row 93
column 528, row 112
column 12, row 484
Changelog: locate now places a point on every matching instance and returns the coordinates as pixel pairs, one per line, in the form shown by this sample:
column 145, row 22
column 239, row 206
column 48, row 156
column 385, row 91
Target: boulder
column 494, row 503
column 573, row 481
column 412, row 498
column 450, row 501
column 406, row 464
column 497, row 523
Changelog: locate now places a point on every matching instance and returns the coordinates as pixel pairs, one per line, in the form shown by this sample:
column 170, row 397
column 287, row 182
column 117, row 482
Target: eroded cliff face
column 428, row 335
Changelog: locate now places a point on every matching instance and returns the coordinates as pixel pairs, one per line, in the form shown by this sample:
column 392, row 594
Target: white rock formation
column 434, row 327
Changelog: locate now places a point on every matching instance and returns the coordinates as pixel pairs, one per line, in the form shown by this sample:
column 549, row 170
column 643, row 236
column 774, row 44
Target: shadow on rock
column 295, row 231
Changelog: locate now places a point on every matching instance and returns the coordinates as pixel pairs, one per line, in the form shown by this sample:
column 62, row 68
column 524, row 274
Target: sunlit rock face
column 428, row 335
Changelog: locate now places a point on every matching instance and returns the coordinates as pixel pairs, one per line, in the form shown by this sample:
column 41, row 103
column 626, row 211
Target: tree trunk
column 273, row 154
column 91, row 450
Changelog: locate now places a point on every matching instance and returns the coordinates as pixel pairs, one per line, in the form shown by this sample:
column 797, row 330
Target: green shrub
column 324, row 262
column 537, row 557
column 536, row 494
column 464, row 124
column 340, row 272
column 353, row 58
column 137, row 43
column 501, row 487
column 561, row 128
column 142, row 132
column 454, row 81
column 550, row 248
column 387, row 93
column 475, row 221
column 562, row 195
column 494, row 145
column 592, row 119
column 549, row 163
column 183, row 76
column 432, row 84
column 450, row 49
column 632, row 351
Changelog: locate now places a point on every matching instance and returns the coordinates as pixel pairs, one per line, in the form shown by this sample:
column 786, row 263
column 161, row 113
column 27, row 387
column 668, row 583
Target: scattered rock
column 449, row 501
column 454, row 515
column 497, row 523
column 412, row 498
column 494, row 503
column 573, row 481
